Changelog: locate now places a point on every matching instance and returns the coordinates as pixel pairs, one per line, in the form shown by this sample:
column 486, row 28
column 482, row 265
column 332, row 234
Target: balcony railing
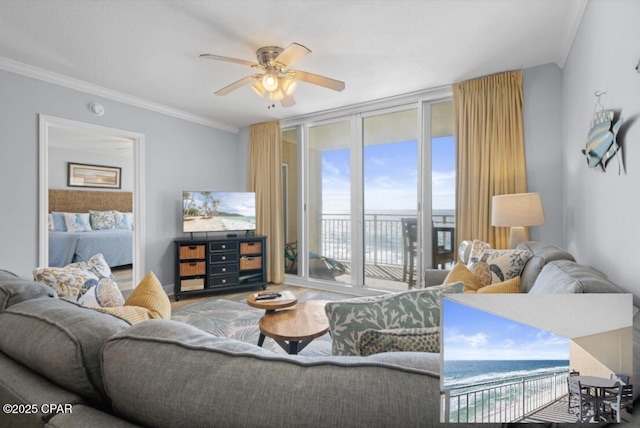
column 504, row 402
column 383, row 241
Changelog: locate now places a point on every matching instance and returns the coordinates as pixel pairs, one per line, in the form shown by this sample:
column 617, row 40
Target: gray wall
column 600, row 209
column 179, row 155
column 542, row 87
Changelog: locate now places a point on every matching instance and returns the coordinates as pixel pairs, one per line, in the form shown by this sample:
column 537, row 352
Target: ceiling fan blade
column 234, row 60
column 316, row 79
column 235, row 85
column 291, row 54
column 288, row 101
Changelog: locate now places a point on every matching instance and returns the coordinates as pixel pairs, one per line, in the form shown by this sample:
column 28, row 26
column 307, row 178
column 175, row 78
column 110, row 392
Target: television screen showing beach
column 218, row 211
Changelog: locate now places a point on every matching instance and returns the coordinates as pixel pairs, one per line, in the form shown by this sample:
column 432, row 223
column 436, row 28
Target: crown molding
column 82, row 86
column 574, row 18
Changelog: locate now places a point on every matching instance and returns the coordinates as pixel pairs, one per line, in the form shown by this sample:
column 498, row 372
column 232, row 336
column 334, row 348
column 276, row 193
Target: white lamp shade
column 258, row 88
column 518, row 209
column 288, row 85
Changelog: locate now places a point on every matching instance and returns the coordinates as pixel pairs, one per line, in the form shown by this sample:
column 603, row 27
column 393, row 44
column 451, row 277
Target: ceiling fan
column 277, row 79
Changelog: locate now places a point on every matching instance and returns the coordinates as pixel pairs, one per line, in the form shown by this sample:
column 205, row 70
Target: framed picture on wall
column 82, row 175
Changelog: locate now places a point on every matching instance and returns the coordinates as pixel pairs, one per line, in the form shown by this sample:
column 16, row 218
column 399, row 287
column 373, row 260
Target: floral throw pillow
column 102, row 220
column 499, row 265
column 80, row 286
column 96, row 265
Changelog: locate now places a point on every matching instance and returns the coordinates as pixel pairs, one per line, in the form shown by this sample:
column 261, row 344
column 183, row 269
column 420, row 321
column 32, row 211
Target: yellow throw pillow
column 133, row 314
column 509, row 286
column 150, row 295
column 462, row 273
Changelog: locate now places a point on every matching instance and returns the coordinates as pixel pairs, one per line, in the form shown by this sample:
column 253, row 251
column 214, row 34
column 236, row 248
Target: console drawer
column 223, row 246
column 247, row 263
column 193, row 268
column 191, row 252
column 223, row 257
column 223, row 269
column 222, row 280
column 192, row 284
column 251, row 247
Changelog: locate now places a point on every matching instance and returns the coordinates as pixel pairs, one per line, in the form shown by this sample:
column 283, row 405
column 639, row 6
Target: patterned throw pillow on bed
column 102, row 220
column 124, row 220
column 77, row 222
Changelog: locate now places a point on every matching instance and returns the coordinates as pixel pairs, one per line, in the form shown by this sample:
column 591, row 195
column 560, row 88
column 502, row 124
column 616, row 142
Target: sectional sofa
column 65, row 365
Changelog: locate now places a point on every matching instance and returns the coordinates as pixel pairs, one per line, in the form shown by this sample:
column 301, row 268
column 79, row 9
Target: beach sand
column 197, row 224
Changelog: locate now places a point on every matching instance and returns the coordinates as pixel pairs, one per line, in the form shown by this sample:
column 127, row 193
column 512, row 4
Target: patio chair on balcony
column 410, row 245
column 581, row 399
column 616, row 399
column 291, row 257
column 443, row 245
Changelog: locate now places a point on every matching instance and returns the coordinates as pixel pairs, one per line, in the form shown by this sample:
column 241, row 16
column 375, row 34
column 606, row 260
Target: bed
column 116, row 245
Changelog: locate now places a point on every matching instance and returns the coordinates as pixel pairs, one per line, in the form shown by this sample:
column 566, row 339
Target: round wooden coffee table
column 295, row 327
column 286, row 299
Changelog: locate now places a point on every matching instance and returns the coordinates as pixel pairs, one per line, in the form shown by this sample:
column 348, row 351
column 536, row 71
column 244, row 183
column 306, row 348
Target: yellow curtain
column 265, row 179
column 491, row 160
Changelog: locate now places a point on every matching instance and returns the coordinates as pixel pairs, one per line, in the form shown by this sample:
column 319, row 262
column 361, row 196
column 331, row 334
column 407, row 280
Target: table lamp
column 517, row 211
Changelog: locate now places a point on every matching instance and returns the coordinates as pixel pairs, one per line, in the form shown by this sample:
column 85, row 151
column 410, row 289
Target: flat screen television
column 218, row 211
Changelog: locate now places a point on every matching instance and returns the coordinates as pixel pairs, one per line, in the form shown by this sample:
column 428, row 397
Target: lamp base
column 517, row 235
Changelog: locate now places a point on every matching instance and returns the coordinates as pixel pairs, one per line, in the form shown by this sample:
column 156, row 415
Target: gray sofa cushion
column 19, row 385
column 83, row 417
column 541, row 255
column 61, row 341
column 163, row 373
column 564, row 276
column 15, row 290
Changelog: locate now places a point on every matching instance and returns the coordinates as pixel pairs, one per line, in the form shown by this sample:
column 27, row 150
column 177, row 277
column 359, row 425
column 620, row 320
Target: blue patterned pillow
column 124, row 220
column 102, row 220
column 77, row 222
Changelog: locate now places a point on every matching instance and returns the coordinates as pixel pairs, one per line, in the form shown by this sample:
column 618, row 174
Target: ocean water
column 493, row 391
column 383, row 241
column 461, row 374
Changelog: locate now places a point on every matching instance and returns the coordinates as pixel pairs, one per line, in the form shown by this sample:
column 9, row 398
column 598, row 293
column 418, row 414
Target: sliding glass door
column 443, row 184
column 370, row 196
column 390, row 160
column 329, row 201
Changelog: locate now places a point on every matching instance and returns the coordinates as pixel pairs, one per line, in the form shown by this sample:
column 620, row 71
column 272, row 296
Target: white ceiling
column 567, row 315
column 147, row 51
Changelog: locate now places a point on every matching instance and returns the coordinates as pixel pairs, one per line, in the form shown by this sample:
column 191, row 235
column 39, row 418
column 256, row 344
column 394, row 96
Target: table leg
column 293, row 347
column 261, row 340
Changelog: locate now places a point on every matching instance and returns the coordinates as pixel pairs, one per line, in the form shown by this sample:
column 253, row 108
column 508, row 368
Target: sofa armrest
column 407, row 309
column 434, row 276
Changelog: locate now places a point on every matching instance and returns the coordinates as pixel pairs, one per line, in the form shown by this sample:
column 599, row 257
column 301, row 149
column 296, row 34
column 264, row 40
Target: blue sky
column 471, row 334
column 390, row 176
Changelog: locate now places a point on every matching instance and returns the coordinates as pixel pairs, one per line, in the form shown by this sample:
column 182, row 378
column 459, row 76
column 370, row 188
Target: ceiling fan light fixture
column 276, row 95
column 288, row 85
column 270, row 82
column 258, row 88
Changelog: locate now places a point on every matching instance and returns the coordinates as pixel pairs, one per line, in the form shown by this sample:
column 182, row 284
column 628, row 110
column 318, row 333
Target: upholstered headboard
column 81, row 201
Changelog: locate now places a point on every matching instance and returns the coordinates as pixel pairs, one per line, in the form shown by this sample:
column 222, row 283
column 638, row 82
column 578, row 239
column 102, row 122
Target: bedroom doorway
column 64, row 142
